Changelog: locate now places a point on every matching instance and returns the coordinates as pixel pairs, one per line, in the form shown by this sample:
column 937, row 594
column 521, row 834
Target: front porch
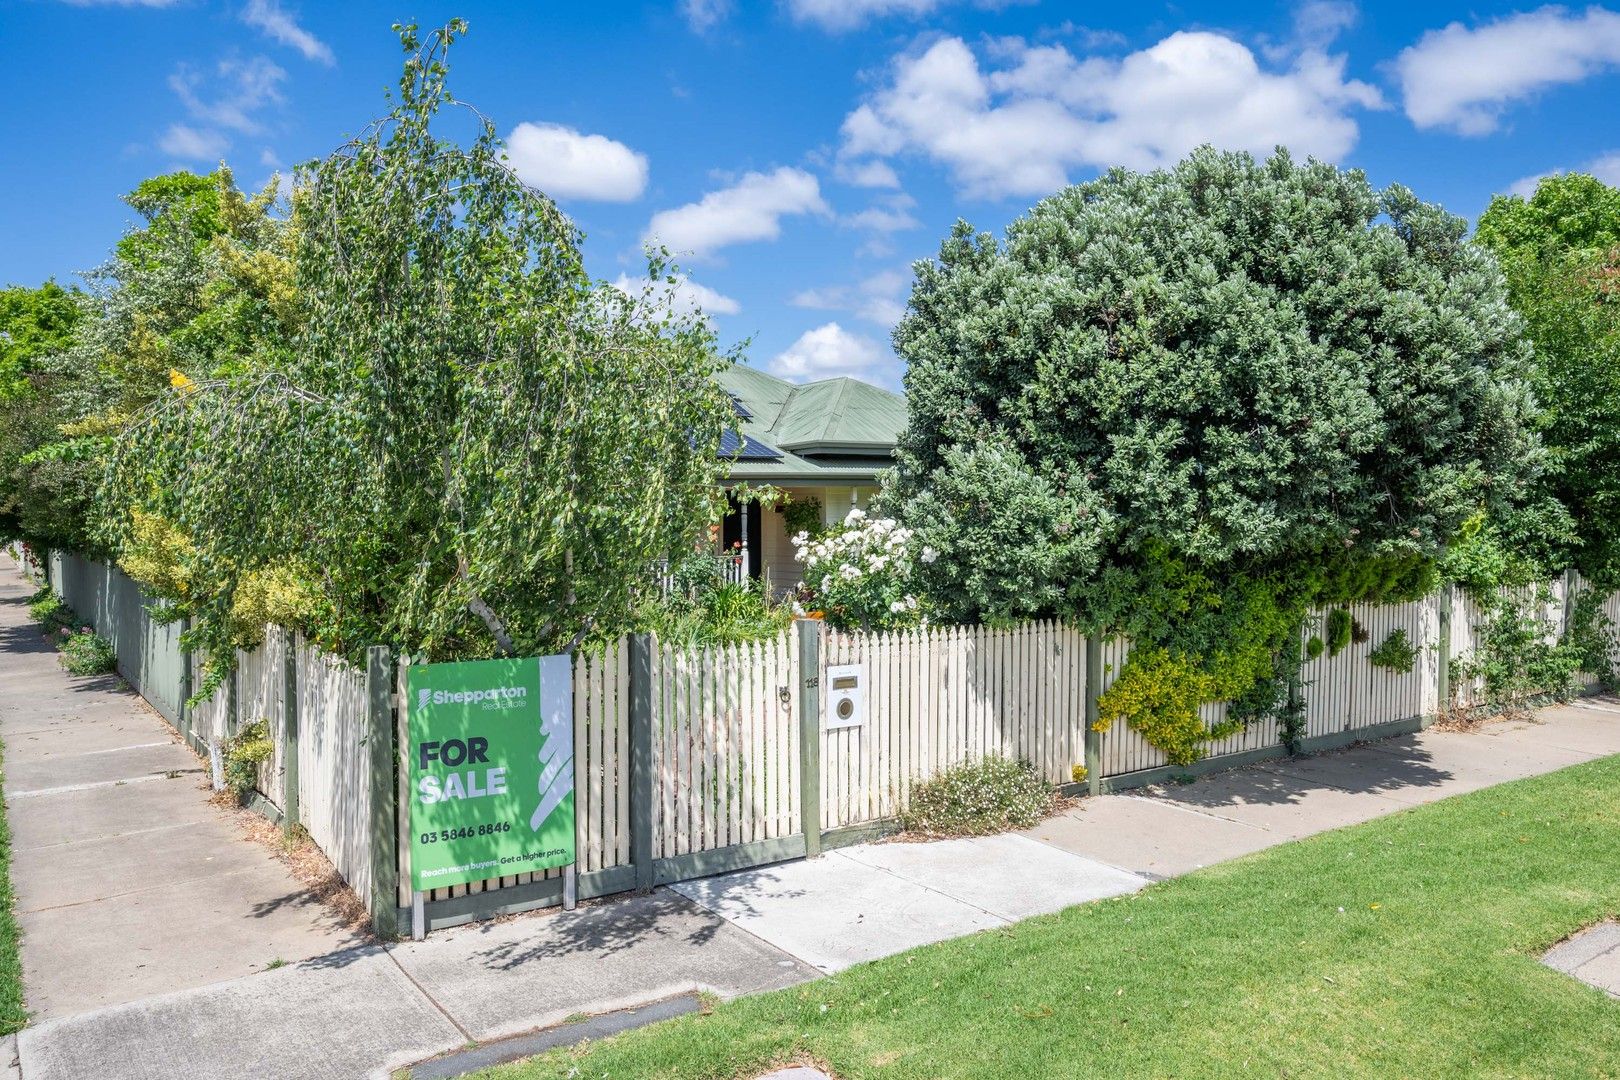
column 755, row 543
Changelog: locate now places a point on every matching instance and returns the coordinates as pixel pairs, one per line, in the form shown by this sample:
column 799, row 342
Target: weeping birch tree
column 471, row 448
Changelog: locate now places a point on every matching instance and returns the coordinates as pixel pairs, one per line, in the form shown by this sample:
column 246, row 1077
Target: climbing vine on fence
column 1396, row 652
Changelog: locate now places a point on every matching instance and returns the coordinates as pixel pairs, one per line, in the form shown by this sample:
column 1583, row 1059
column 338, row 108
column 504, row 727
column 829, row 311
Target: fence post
column 643, row 802
column 380, row 742
column 232, row 721
column 1443, row 675
column 184, row 712
column 1569, row 601
column 1094, row 777
column 289, row 729
column 809, row 633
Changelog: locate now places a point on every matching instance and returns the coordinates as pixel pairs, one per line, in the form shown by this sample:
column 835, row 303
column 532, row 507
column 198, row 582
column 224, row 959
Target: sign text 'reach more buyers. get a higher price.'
column 491, row 760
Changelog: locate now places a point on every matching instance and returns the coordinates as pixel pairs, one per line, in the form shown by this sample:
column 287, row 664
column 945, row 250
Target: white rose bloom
column 897, row 607
column 929, row 554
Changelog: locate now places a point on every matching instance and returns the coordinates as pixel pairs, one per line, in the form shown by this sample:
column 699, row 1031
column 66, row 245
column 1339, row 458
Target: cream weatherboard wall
column 780, row 563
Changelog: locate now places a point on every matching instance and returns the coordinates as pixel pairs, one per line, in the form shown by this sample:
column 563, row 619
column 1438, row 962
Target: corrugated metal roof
column 836, row 429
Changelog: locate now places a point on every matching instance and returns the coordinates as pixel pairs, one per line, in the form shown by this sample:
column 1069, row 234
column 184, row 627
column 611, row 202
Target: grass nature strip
column 1406, row 946
column 13, row 1014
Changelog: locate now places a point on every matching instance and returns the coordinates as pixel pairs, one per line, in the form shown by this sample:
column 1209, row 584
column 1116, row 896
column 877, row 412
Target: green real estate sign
column 491, row 759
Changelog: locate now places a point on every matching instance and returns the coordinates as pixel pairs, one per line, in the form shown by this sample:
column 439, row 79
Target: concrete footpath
column 368, row 1010
column 148, row 923
column 862, row 903
column 129, row 882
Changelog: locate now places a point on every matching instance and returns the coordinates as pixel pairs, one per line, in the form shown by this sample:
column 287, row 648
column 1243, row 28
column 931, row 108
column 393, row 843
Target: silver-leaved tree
column 1191, row 404
column 471, row 449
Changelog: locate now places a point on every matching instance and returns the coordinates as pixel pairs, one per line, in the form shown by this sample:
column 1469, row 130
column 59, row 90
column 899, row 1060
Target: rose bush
column 860, row 573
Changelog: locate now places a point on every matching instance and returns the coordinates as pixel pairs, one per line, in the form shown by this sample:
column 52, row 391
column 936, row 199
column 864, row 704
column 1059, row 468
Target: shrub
column 1180, row 406
column 44, row 607
column 1340, row 628
column 280, row 593
column 243, row 753
column 860, row 574
column 1592, row 635
column 803, row 515
column 716, row 615
column 991, row 795
column 1158, row 695
column 1395, row 652
column 87, row 653
column 1514, row 656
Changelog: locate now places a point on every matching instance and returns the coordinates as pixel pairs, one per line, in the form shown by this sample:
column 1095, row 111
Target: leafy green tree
column 1560, row 251
column 469, row 447
column 1189, row 403
column 34, row 324
column 1566, row 212
column 200, row 288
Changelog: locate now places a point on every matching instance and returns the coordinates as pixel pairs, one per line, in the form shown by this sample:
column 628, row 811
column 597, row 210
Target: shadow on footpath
column 1400, row 765
column 605, row 930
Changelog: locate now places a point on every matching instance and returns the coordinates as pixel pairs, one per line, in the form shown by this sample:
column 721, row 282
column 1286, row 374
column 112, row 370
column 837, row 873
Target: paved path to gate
column 129, row 881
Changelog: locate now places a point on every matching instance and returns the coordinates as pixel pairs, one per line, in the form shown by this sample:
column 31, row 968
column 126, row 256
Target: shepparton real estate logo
column 491, row 768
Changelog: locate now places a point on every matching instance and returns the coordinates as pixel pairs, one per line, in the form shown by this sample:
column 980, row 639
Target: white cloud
column 565, row 163
column 883, row 219
column 829, row 351
column 279, row 25
column 687, row 296
column 704, row 15
column 840, row 15
column 237, row 90
column 751, row 209
column 1606, row 167
column 1318, row 23
column 1019, row 129
column 872, row 174
column 193, row 144
column 848, row 14
column 1463, row 79
column 879, row 299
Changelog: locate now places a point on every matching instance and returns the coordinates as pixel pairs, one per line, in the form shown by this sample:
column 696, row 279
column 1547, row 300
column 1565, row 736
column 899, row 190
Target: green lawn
column 1405, row 947
column 12, row 1014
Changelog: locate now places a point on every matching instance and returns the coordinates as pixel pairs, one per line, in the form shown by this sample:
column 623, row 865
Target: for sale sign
column 491, row 762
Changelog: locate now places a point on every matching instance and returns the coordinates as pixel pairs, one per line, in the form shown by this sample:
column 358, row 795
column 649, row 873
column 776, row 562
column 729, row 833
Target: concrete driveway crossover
column 503, row 978
column 861, row 903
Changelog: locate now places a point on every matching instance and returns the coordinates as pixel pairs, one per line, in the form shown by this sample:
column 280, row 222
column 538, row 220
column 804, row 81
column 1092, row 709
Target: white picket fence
column 726, row 757
column 1345, row 692
column 940, row 696
column 725, row 745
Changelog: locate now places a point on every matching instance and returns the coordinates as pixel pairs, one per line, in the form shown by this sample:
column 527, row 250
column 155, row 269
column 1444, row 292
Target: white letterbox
column 845, row 695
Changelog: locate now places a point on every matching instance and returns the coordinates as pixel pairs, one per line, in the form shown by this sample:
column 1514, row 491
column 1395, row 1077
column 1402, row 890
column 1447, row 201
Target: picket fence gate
column 694, row 761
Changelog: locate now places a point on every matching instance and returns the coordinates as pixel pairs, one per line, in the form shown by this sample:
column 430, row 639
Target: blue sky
column 798, row 153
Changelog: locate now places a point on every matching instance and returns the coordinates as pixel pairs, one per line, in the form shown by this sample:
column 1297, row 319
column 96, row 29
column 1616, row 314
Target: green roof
column 834, row 429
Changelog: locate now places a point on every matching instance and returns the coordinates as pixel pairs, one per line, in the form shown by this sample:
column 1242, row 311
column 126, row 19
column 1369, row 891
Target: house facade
column 825, row 441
